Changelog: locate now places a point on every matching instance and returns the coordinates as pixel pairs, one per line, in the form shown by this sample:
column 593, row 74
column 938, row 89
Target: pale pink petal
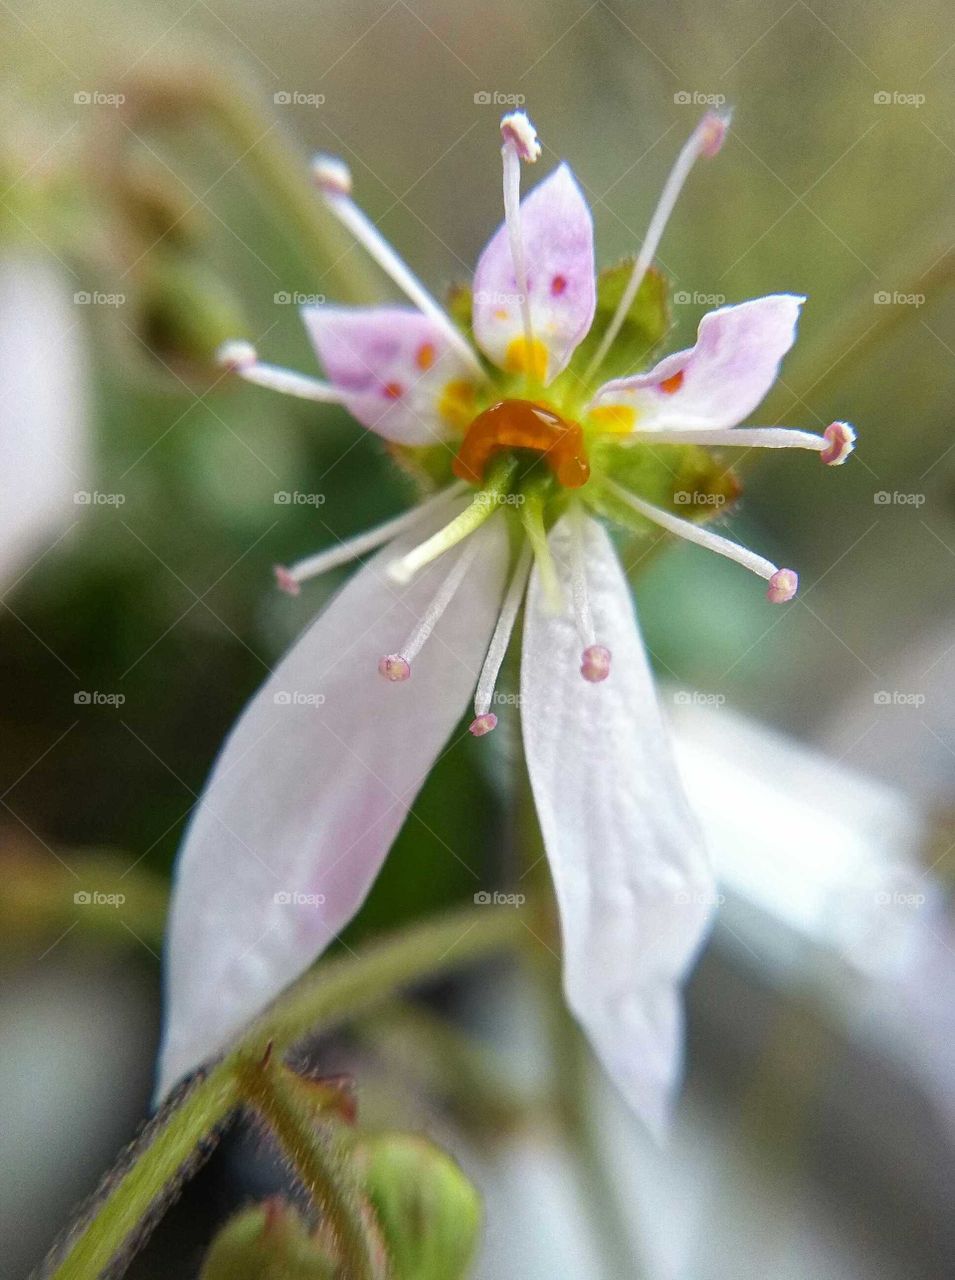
column 310, row 791
column 719, row 381
column 401, row 376
column 558, row 236
column 633, row 883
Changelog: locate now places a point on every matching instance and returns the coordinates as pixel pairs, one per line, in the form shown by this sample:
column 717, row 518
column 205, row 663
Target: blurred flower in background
column 154, row 163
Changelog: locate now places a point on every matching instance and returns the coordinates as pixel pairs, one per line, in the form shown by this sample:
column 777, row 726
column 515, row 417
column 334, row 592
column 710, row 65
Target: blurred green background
column 183, row 212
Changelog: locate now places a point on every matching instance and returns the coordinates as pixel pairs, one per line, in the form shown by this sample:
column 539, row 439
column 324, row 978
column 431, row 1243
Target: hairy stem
column 334, row 993
column 319, row 1158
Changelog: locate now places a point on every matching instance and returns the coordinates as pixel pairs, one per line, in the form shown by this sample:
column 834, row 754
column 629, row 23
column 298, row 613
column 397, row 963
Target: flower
column 527, row 447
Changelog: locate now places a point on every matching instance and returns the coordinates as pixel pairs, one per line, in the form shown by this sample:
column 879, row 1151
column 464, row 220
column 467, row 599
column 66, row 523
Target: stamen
column 242, row 359
column 841, row 439
column 834, row 445
column 483, row 724
column 520, row 143
column 394, row 668
column 484, row 719
column 595, row 663
column 333, row 178
column 397, row 666
column 595, row 659
column 783, row 583
column 483, row 505
column 289, row 579
column 705, row 140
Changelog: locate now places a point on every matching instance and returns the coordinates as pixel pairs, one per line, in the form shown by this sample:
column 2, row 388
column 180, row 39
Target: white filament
column 494, row 660
column 440, row 601
column 352, row 548
column 743, row 437
column 692, row 149
column 695, row 533
column 512, row 220
column 578, row 576
column 367, row 234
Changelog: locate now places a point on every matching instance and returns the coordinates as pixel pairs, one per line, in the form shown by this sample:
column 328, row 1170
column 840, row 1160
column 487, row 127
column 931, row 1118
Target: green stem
column 161, row 1159
column 319, row 1159
column 331, row 995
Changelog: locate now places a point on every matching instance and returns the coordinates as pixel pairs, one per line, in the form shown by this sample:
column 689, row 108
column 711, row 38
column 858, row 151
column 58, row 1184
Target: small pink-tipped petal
column 841, row 441
column 309, row 792
column 398, row 373
column 558, row 237
column 481, row 725
column 394, row 668
column 783, row 585
column 633, row 884
column 719, row 381
column 595, row 663
column 286, row 581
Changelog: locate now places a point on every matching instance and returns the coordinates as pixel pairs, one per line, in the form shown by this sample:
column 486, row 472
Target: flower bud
column 428, row 1211
column 267, row 1242
column 185, row 312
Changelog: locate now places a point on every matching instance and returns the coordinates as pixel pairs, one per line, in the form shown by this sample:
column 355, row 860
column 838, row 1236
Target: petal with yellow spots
column 558, row 238
column 714, row 384
column 398, row 373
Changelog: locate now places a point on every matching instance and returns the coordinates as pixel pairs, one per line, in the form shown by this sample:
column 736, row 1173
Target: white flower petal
column 308, row 795
column 44, row 444
column 633, row 883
